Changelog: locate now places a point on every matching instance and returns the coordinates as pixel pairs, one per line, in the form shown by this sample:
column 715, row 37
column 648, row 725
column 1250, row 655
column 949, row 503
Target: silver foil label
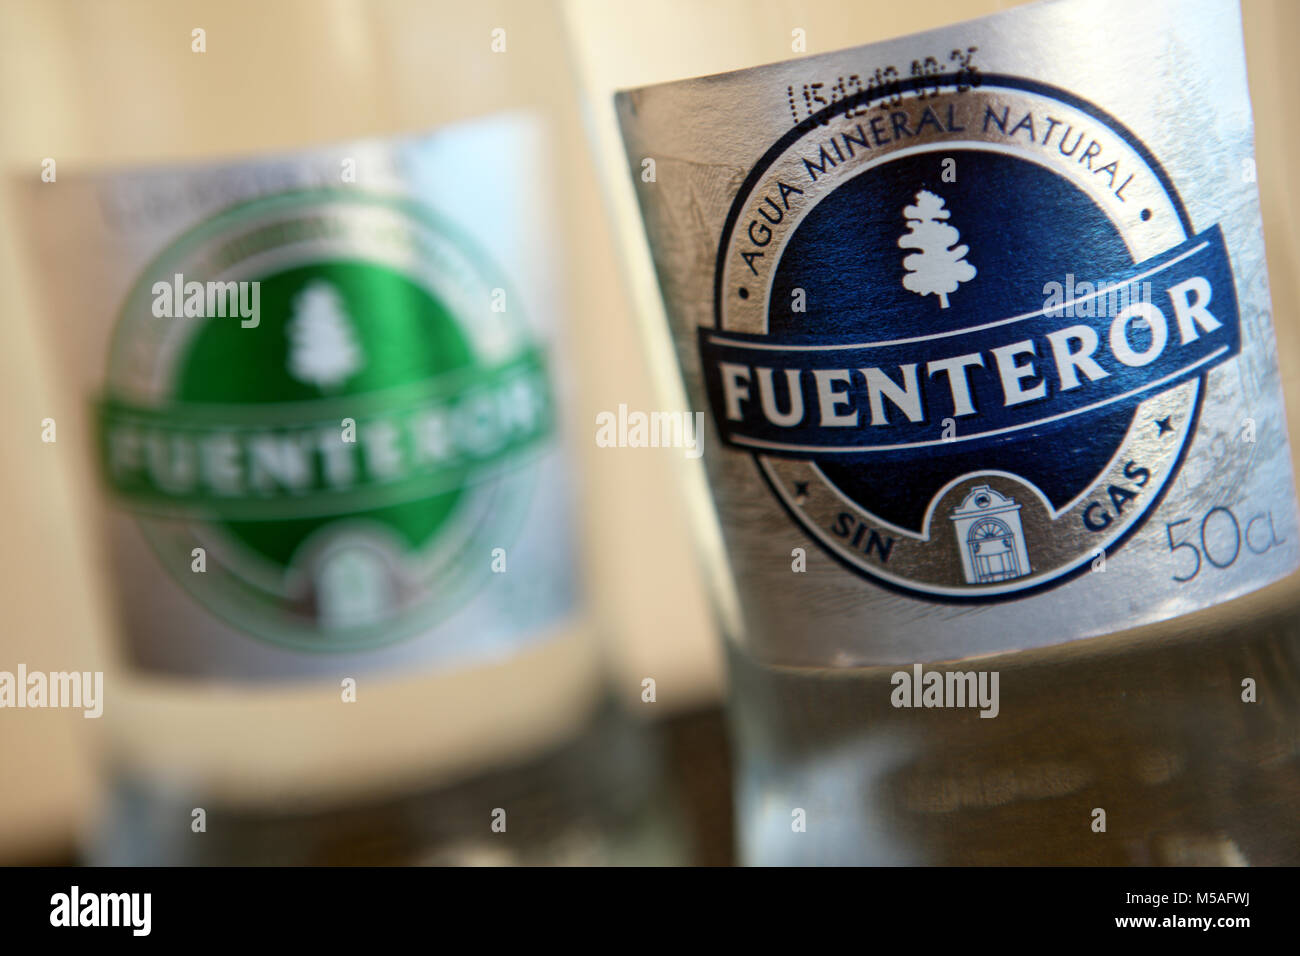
column 991, row 333
column 324, row 404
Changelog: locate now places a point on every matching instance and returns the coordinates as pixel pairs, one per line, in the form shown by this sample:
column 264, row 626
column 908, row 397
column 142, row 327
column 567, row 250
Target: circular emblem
column 964, row 335
column 316, row 391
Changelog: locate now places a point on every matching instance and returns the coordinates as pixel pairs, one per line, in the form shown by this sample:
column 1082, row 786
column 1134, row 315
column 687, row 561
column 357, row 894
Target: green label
column 348, row 456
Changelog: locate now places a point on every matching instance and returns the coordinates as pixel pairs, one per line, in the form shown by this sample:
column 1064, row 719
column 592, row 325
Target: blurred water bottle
column 325, row 392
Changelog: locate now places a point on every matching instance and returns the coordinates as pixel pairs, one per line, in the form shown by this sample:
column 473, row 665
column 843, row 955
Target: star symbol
column 1163, row 425
column 800, row 490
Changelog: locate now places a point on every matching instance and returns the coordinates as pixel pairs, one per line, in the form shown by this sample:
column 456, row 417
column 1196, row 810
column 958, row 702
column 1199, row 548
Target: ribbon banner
column 1090, row 348
column 259, row 461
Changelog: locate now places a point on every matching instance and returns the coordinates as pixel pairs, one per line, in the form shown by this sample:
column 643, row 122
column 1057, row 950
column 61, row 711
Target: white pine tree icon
column 940, row 266
column 323, row 350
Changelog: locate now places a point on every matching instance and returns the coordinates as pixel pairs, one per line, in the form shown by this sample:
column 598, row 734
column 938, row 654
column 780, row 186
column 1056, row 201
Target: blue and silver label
column 981, row 319
column 965, row 339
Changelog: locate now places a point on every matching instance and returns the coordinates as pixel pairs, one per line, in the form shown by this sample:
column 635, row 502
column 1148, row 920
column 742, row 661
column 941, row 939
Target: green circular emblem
column 331, row 395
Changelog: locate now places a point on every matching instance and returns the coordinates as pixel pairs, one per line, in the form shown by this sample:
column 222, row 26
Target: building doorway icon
column 990, row 537
column 992, row 551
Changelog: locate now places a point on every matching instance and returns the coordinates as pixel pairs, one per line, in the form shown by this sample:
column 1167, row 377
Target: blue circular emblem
column 965, row 335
